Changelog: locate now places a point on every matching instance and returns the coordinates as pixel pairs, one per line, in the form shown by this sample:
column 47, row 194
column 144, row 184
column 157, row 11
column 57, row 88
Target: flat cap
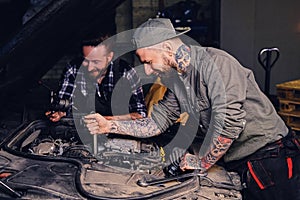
column 154, row 31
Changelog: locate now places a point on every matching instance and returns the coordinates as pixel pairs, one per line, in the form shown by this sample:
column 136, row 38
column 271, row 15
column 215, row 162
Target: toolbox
column 288, row 94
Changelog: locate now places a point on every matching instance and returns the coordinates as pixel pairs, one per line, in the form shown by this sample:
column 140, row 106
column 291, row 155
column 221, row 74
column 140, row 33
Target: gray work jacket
column 227, row 100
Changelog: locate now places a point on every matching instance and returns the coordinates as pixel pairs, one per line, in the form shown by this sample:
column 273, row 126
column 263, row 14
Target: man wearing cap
column 236, row 121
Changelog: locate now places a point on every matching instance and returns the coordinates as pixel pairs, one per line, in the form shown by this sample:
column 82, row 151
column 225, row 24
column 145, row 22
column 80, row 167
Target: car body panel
column 74, row 173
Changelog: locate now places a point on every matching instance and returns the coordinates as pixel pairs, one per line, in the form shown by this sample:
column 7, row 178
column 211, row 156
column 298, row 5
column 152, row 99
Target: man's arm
column 217, row 149
column 129, row 116
column 67, row 84
column 65, row 91
column 141, row 128
column 164, row 114
column 226, row 86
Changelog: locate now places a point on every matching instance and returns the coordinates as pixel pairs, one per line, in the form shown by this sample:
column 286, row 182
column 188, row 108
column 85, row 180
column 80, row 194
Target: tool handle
column 266, row 62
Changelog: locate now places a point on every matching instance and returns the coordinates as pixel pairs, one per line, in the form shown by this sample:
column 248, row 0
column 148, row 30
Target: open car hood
column 43, row 40
column 43, row 160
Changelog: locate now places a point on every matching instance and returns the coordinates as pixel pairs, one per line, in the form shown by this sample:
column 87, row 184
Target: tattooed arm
column 142, row 128
column 165, row 113
column 217, row 149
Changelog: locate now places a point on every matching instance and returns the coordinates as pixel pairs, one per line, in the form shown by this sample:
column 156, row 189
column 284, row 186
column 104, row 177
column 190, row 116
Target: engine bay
column 65, row 140
column 49, row 155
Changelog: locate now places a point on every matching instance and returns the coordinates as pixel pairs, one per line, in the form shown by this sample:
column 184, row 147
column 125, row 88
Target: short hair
column 101, row 40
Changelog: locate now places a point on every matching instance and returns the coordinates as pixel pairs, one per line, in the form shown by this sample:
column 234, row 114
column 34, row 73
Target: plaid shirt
column 72, row 74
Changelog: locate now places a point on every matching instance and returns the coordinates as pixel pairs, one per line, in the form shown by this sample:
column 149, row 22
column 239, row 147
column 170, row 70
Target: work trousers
column 272, row 173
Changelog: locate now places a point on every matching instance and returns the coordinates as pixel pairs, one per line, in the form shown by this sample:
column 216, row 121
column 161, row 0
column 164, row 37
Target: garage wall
column 141, row 10
column 247, row 26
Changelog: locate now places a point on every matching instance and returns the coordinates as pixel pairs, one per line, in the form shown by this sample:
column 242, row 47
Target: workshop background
column 242, row 28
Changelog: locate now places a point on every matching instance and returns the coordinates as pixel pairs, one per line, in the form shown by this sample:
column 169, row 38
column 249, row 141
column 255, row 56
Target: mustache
column 100, row 71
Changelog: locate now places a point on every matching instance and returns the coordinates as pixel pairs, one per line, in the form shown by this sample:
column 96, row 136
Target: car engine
column 63, row 140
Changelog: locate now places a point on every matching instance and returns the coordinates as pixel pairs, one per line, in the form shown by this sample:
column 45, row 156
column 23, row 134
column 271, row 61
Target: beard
column 96, row 74
column 169, row 68
column 100, row 73
column 170, row 75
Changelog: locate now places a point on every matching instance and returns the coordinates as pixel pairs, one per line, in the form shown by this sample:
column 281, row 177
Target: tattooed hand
column 97, row 124
column 190, row 162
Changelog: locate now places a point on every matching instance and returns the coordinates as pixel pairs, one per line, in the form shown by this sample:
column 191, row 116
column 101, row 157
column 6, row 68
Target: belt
column 269, row 148
column 285, row 145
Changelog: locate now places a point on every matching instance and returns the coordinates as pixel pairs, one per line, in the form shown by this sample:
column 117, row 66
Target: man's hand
column 190, row 162
column 56, row 116
column 97, row 124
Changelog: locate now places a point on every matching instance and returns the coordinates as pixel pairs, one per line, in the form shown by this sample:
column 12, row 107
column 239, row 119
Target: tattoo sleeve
column 141, row 128
column 218, row 148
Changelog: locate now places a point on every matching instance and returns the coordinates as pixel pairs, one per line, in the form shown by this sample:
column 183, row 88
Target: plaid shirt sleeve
column 137, row 101
column 67, row 84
